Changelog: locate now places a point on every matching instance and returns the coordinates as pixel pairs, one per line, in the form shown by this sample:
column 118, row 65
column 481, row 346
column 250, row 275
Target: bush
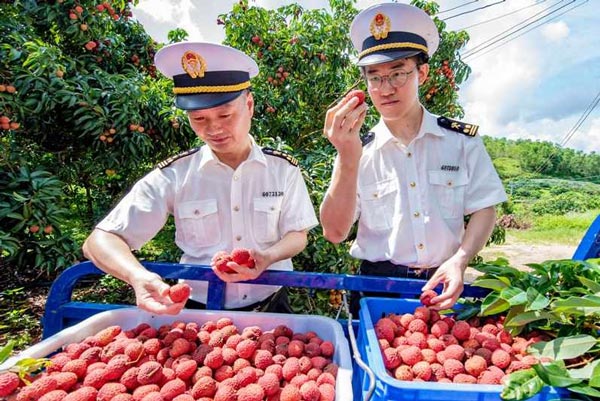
column 32, row 207
column 565, row 202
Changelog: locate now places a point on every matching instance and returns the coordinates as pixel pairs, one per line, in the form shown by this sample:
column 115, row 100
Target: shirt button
column 235, row 177
column 413, row 184
column 245, row 296
column 196, row 212
column 272, row 207
column 449, row 183
column 409, row 154
column 416, row 214
column 236, row 208
column 420, row 246
column 238, row 238
column 375, row 195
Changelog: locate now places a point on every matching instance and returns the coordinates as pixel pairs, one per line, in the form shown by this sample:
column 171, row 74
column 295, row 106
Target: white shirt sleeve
column 297, row 210
column 485, row 188
column 140, row 215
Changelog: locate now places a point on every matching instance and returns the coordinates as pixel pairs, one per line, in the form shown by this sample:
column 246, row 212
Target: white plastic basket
column 128, row 318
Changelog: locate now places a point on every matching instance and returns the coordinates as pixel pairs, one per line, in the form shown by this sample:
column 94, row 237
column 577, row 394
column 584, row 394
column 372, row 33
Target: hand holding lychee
column 180, row 292
column 153, row 294
column 240, row 265
column 357, row 93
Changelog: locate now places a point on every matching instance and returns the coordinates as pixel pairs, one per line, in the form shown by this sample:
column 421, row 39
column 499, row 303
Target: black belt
column 389, row 269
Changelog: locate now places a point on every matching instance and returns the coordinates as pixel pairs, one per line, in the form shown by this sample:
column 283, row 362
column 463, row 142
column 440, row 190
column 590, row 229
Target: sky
column 536, row 86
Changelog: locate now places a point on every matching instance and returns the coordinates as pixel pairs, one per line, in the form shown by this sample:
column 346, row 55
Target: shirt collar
column 429, row 125
column 208, row 156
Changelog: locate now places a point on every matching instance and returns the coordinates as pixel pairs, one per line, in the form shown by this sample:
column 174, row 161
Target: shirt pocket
column 266, row 219
column 198, row 223
column 449, row 192
column 378, row 204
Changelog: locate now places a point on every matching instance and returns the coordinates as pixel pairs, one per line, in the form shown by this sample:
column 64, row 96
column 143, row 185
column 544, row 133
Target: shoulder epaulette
column 170, row 160
column 458, row 126
column 368, row 138
column 277, row 153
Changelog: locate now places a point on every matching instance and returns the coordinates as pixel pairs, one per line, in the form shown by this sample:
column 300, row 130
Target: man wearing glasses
column 411, row 181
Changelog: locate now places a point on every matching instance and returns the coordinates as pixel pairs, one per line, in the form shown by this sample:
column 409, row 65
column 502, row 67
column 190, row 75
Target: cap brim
column 204, row 100
column 379, row 58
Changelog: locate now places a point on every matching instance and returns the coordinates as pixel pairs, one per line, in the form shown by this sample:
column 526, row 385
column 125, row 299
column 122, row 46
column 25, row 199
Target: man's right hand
column 342, row 127
column 152, row 295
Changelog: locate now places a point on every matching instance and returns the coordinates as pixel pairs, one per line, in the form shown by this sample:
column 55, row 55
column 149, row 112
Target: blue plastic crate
column 387, row 388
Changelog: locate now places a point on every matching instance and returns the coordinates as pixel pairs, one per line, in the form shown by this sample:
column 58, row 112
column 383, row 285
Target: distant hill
column 526, row 159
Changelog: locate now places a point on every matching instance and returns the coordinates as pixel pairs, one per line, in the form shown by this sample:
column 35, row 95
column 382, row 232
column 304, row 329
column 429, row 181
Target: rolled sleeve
column 485, row 188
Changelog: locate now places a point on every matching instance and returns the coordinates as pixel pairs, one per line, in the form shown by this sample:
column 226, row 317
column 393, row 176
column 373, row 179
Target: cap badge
column 193, row 64
column 380, row 26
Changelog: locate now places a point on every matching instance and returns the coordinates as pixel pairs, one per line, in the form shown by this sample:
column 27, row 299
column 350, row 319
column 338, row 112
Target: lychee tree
column 82, row 115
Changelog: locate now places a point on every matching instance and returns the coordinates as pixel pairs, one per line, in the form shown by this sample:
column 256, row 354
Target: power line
column 473, row 10
column 532, row 28
column 571, row 132
column 581, row 120
column 498, row 37
column 501, row 16
column 454, row 8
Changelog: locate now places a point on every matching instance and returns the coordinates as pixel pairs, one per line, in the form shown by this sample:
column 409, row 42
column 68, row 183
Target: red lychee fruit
column 426, row 297
column 180, row 292
column 360, row 95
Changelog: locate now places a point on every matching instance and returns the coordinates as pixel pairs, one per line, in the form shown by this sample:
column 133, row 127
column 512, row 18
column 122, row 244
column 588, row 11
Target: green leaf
column 521, row 385
column 493, row 304
column 514, row 296
column 587, row 305
column 6, row 351
column 585, row 390
column 592, row 285
column 555, row 374
column 528, row 317
column 584, row 372
column 564, row 347
column 492, row 284
column 595, row 377
column 536, row 301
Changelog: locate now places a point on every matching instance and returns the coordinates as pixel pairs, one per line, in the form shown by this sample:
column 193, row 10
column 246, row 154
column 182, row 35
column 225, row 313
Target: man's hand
column 342, row 126
column 451, row 275
column 152, row 295
column 262, row 260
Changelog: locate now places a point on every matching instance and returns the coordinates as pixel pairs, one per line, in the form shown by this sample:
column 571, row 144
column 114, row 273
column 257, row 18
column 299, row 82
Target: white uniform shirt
column 412, row 199
column 215, row 209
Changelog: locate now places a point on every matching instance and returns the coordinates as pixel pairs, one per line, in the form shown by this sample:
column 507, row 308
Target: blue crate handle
column 589, row 247
column 61, row 311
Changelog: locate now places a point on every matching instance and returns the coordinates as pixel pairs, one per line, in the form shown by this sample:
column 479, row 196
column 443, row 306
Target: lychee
column 426, row 297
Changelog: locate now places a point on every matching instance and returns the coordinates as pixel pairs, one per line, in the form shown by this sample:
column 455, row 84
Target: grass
column 566, row 229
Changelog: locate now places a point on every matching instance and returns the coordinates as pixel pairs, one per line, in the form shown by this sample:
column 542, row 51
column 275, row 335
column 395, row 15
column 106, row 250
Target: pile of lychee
column 185, row 362
column 427, row 346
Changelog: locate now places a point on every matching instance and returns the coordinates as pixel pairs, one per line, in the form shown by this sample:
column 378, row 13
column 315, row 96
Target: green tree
column 81, row 104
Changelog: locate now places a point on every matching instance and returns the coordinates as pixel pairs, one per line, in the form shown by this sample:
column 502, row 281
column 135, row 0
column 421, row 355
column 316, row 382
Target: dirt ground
column 520, row 254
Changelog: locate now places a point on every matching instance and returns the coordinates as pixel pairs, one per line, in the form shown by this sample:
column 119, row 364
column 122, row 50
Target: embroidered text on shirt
column 272, row 193
column 446, row 167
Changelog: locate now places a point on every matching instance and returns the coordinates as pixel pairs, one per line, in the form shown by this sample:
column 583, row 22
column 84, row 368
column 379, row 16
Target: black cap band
column 212, row 82
column 393, row 42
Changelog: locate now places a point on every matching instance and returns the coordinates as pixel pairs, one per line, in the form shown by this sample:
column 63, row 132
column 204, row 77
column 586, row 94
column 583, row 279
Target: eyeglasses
column 396, row 79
